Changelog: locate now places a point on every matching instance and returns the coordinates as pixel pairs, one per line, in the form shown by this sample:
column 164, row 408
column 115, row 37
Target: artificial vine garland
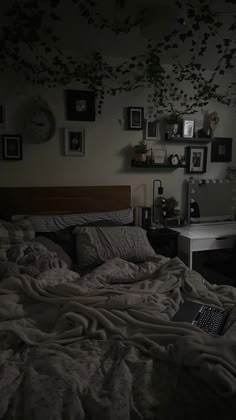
column 30, row 45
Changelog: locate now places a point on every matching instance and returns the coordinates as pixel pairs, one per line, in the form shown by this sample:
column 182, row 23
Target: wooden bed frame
column 63, row 200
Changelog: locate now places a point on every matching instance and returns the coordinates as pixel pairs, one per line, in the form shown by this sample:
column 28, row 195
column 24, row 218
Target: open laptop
column 212, row 320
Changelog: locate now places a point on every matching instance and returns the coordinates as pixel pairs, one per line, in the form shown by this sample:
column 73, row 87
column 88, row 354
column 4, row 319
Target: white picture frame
column 188, row 128
column 151, row 130
column 135, row 118
column 159, row 156
column 74, row 142
column 12, row 147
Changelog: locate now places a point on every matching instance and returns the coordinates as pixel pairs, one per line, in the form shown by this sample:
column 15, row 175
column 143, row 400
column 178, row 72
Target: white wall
column 106, row 161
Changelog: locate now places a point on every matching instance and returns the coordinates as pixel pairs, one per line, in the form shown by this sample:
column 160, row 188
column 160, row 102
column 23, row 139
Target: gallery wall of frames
column 57, row 137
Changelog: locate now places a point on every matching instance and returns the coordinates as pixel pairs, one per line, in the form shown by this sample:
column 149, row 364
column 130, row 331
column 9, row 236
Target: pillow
column 67, row 240
column 95, row 245
column 15, row 233
column 56, row 223
column 64, row 238
column 53, row 247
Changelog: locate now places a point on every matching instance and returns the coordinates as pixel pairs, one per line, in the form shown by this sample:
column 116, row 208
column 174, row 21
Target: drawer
column 213, row 243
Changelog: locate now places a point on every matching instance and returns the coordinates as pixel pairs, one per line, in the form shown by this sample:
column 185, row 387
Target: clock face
column 174, row 160
column 39, row 125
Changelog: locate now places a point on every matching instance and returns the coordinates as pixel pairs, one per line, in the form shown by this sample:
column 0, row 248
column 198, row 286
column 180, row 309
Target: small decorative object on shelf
column 174, row 123
column 140, row 151
column 174, row 160
column 213, row 122
column 188, row 128
column 201, row 134
column 158, row 156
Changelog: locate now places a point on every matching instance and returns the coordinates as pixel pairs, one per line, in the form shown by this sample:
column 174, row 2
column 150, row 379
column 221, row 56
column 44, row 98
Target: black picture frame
column 221, row 149
column 74, row 142
column 196, row 159
column 2, row 116
column 135, row 118
column 11, row 147
column 80, row 105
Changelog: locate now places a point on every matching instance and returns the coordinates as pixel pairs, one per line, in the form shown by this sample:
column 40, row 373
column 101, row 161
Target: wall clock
column 39, row 125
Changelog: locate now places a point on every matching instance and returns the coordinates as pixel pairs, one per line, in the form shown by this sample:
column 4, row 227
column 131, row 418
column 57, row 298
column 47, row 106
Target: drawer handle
column 222, row 238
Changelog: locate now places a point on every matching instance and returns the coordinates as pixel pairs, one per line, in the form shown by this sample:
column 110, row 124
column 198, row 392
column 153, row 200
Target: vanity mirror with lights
column 211, row 201
column 211, row 217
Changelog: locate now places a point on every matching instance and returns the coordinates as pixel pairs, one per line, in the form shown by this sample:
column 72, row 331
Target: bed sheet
column 103, row 345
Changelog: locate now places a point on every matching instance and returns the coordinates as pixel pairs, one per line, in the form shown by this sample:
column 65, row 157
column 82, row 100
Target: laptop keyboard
column 209, row 319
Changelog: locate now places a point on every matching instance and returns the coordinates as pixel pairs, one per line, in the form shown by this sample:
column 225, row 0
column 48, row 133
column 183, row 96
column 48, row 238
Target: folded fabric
column 13, row 233
column 95, row 245
column 54, row 247
column 54, row 223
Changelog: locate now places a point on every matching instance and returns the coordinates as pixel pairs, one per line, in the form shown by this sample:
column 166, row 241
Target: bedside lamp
column 160, row 192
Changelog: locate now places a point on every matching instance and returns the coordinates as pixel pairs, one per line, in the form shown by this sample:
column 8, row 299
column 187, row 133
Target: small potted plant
column 173, row 124
column 140, row 151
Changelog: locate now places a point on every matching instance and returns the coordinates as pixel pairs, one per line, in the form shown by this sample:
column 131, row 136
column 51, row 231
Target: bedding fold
column 56, row 327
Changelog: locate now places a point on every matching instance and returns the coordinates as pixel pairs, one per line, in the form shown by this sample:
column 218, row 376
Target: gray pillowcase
column 64, row 238
column 95, row 245
column 53, row 247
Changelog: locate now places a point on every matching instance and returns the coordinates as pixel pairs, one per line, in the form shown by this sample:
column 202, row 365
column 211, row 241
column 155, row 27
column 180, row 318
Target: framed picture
column 3, row 119
column 11, row 147
column 158, row 156
column 221, row 149
column 188, row 128
column 151, row 130
column 196, row 160
column 74, row 142
column 80, row 105
column 135, row 118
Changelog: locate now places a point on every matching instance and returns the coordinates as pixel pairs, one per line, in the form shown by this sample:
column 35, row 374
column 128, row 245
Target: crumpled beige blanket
column 121, row 306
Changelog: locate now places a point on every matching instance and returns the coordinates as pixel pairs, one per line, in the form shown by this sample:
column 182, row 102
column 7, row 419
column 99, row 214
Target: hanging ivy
column 30, row 45
column 89, row 10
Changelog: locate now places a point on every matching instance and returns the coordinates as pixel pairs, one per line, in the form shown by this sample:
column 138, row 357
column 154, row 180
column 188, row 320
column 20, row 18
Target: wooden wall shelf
column 147, row 165
column 196, row 140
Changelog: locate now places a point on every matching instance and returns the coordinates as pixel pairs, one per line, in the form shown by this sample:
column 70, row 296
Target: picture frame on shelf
column 151, row 130
column 135, row 117
column 11, row 147
column 74, row 142
column 158, row 156
column 188, row 128
column 196, row 159
column 80, row 105
column 3, row 117
column 221, row 149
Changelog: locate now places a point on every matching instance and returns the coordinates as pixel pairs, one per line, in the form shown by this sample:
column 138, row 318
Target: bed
column 103, row 344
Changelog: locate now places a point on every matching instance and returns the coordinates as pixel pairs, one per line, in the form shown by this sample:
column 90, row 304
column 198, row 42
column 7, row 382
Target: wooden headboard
column 63, row 200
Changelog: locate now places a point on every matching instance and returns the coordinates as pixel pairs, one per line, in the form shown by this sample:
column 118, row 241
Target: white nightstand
column 193, row 238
